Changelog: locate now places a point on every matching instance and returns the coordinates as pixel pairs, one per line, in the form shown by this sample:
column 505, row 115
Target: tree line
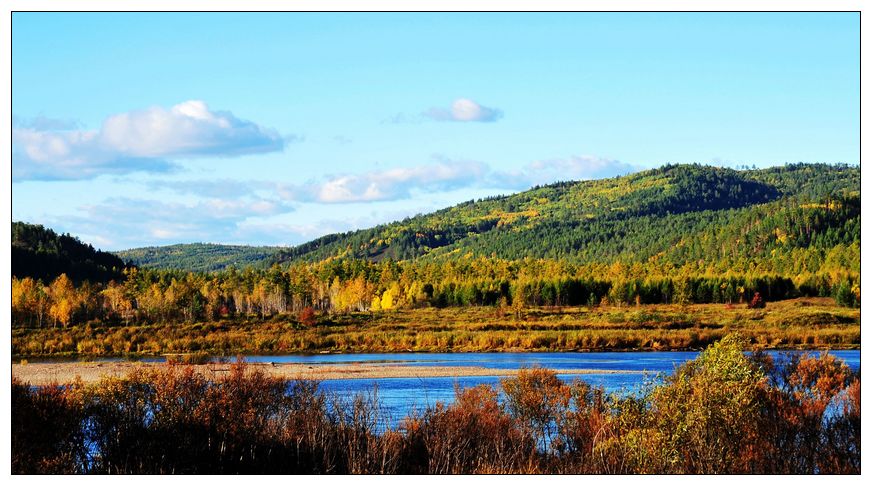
column 40, row 253
column 349, row 285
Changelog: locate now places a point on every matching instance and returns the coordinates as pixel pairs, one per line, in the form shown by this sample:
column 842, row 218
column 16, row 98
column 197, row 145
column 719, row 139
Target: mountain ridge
column 677, row 210
column 576, row 220
column 199, row 257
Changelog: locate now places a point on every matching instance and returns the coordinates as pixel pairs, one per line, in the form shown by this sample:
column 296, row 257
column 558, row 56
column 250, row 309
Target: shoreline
column 40, row 374
column 134, row 357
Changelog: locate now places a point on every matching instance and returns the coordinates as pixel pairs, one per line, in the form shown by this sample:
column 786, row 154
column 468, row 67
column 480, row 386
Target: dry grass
column 805, row 323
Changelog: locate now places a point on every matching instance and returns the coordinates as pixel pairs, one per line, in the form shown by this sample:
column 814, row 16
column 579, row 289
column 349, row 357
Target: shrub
column 723, row 412
column 757, row 302
column 703, row 415
column 474, row 434
column 307, row 317
column 47, row 430
column 539, row 400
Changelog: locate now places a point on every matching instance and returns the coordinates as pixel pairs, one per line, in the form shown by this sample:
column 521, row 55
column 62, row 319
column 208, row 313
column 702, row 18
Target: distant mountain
column 41, row 253
column 680, row 212
column 200, row 257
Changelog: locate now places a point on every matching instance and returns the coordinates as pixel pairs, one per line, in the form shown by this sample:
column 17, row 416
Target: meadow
column 803, row 323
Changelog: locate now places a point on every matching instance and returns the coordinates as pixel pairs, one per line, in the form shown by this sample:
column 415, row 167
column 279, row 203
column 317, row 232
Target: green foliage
column 40, row 253
column 676, row 214
column 704, row 408
column 782, row 220
column 678, row 234
column 847, row 294
column 199, row 257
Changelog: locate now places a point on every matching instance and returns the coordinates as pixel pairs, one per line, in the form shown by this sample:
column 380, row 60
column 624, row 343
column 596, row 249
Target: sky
column 142, row 129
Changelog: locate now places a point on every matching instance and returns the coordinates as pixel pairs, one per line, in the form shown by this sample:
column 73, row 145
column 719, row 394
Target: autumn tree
column 705, row 410
column 29, row 300
column 116, row 301
column 540, row 400
column 64, row 300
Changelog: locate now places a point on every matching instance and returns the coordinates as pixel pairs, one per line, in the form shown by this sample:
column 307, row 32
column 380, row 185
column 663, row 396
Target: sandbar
column 39, row 374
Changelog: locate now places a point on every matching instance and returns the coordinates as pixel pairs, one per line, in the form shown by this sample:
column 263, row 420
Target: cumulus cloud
column 541, row 172
column 379, row 185
column 390, row 184
column 251, row 212
column 143, row 140
column 579, row 168
column 274, row 233
column 464, row 110
column 461, row 110
column 120, row 223
column 443, row 174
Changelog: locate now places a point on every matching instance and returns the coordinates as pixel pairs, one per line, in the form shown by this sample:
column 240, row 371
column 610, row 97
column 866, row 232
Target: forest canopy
column 674, row 235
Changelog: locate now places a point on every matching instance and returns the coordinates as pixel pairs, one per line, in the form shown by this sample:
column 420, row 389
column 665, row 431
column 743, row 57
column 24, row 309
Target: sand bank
column 45, row 373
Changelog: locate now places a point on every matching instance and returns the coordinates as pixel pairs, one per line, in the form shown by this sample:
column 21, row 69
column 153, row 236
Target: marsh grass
column 806, row 323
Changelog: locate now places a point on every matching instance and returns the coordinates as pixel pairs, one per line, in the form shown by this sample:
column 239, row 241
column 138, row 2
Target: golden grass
column 806, row 323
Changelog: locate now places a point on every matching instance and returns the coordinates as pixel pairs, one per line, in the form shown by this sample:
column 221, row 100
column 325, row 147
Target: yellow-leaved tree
column 390, row 296
column 64, row 300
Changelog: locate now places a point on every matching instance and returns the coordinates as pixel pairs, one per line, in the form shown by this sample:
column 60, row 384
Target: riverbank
column 806, row 323
column 165, row 420
column 40, row 374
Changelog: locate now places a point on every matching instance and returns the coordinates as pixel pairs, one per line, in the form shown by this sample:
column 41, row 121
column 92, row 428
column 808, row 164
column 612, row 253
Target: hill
column 40, row 253
column 674, row 236
column 199, row 257
column 680, row 212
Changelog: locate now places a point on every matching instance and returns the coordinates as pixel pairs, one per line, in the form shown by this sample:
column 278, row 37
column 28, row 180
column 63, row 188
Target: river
column 400, row 396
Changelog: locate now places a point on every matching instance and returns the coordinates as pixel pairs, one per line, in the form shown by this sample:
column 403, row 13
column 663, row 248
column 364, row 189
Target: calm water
column 399, row 396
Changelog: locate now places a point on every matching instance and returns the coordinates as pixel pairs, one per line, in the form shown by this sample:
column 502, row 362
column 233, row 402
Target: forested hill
column 677, row 213
column 681, row 213
column 41, row 253
column 200, row 257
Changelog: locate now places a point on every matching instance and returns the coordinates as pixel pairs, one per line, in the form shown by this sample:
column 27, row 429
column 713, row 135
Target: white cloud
column 391, row 184
column 464, row 110
column 573, row 168
column 579, row 168
column 443, row 175
column 120, row 223
column 380, row 185
column 136, row 141
column 254, row 212
column 280, row 233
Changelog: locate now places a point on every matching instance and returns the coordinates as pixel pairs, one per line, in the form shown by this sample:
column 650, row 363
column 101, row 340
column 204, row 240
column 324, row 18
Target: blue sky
column 149, row 129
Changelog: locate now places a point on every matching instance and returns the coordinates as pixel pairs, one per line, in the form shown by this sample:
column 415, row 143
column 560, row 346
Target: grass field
column 806, row 323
